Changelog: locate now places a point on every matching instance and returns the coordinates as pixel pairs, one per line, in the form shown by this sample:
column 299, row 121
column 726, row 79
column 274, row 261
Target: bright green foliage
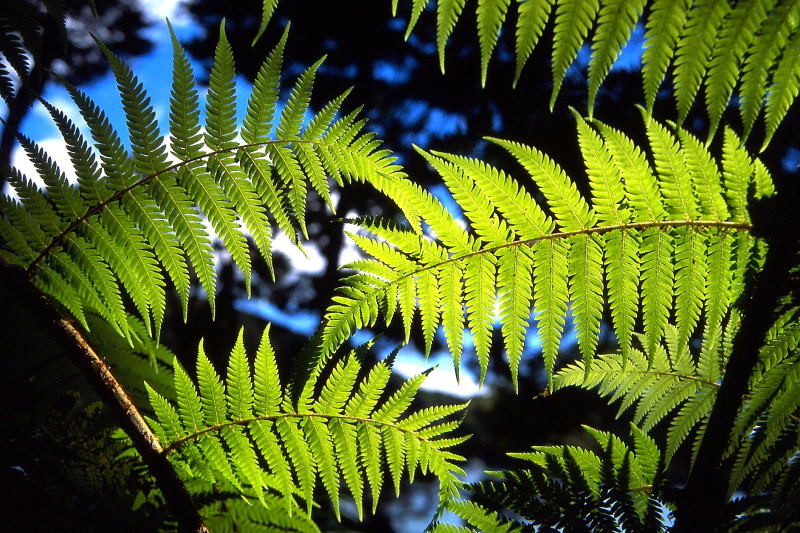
column 343, row 430
column 570, row 489
column 134, row 222
column 672, row 232
column 766, row 429
column 719, row 41
column 669, row 380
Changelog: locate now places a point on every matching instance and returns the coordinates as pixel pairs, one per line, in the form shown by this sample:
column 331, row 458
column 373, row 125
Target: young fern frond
column 571, row 489
column 343, row 430
column 654, row 231
column 134, row 222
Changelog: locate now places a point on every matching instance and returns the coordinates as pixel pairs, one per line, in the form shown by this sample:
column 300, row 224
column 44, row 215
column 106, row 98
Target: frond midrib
column 596, row 230
column 98, row 208
column 178, row 443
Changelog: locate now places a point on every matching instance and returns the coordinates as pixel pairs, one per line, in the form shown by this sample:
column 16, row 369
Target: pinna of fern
column 135, row 219
column 676, row 229
column 568, row 488
column 335, row 423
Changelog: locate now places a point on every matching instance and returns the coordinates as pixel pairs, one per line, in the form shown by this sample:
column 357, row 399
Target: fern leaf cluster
column 338, row 429
column 653, row 234
column 134, row 221
column 570, row 488
column 717, row 44
column 766, row 435
column 668, row 382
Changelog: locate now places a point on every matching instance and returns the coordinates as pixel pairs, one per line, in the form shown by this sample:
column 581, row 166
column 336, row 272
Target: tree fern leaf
column 550, row 294
column 734, row 41
column 369, row 444
column 321, row 446
column 657, row 284
column 297, row 448
column 266, row 382
column 737, row 169
column 663, row 27
column 447, row 13
column 267, row 9
column 417, row 7
column 571, row 210
column 452, row 310
column 258, row 120
column 150, row 158
column 531, row 21
column 239, row 385
column 429, row 295
column 622, row 273
column 690, row 280
column 515, row 289
column 767, row 45
column 339, row 387
column 694, row 50
column 574, row 18
column 719, row 267
column 608, row 194
column 491, row 14
column 344, row 438
column 705, row 177
column 673, row 175
column 472, row 201
column 479, row 282
column 640, row 185
column 615, row 22
column 784, row 88
column 691, row 413
column 585, row 263
column 516, row 205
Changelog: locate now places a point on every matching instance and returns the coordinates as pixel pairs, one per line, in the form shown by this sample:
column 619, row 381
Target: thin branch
column 110, row 391
column 597, row 230
column 245, row 421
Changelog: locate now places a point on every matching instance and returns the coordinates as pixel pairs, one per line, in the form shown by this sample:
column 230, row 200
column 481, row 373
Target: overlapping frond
column 715, row 43
column 652, row 235
column 343, row 430
column 670, row 382
column 135, row 220
column 571, row 489
column 766, row 434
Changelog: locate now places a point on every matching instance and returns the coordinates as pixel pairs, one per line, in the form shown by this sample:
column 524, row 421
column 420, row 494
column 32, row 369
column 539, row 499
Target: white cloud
column 56, row 149
column 158, row 10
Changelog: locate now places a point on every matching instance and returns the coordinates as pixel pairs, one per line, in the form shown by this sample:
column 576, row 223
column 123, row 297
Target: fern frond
column 247, row 431
column 649, row 235
column 656, row 385
column 784, row 88
column 716, row 43
column 766, row 427
column 767, row 45
column 568, row 488
column 135, row 220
